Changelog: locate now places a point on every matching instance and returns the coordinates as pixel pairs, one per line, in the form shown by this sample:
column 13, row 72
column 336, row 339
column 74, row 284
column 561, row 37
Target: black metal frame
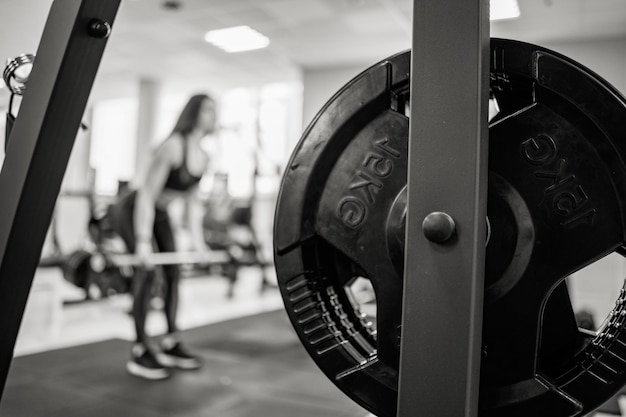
column 443, row 282
column 39, row 147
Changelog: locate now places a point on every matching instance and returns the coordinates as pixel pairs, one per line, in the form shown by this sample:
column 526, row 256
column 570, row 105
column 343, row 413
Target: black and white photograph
column 313, row 208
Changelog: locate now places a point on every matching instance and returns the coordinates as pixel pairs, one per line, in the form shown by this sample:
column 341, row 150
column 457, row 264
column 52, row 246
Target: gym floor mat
column 254, row 366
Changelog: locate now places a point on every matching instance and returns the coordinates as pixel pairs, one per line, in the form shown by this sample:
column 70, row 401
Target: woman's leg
column 122, row 221
column 164, row 237
column 143, row 280
column 143, row 362
column 173, row 353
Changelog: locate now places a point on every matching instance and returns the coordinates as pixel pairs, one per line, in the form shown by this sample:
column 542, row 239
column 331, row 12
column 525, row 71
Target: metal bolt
column 99, row 28
column 438, row 227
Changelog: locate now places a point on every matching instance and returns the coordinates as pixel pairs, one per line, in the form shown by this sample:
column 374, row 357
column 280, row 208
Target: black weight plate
column 76, row 268
column 556, row 194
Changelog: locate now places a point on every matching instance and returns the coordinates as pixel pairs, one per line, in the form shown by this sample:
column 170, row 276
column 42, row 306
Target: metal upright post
column 447, row 186
column 41, row 141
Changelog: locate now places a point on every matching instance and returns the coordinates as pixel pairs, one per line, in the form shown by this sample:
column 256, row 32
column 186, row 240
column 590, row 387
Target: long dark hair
column 188, row 118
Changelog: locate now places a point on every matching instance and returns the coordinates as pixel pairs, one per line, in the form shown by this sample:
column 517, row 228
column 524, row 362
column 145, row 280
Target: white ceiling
column 150, row 41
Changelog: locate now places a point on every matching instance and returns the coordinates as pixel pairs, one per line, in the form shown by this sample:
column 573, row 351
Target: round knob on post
column 99, row 28
column 438, row 227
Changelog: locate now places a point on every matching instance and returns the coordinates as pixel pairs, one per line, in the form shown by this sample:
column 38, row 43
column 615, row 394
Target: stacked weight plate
column 556, row 203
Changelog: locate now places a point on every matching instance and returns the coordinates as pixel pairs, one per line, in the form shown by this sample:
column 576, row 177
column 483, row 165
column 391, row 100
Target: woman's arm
column 148, row 194
column 195, row 214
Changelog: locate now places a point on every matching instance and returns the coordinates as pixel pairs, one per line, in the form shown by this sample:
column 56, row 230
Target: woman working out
column 142, row 220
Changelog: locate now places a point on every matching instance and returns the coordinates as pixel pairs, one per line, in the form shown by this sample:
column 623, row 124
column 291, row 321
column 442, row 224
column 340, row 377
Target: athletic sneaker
column 144, row 364
column 174, row 355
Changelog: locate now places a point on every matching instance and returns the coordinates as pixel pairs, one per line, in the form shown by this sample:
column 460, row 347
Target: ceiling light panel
column 237, row 39
column 503, row 9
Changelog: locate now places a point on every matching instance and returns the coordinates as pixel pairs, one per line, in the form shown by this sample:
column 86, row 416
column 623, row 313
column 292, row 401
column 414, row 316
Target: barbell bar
column 99, row 261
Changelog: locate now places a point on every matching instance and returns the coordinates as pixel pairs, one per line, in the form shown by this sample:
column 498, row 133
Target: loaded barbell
column 112, row 269
column 556, row 203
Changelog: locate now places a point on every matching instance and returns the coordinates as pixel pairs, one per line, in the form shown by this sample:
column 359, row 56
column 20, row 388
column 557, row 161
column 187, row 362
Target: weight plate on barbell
column 556, row 203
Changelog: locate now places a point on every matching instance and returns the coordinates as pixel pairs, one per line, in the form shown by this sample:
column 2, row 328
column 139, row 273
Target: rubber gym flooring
column 254, row 366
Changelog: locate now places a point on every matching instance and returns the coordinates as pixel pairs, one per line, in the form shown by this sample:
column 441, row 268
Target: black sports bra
column 180, row 179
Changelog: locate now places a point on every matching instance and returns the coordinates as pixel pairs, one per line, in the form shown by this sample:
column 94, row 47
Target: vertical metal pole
column 67, row 59
column 443, row 284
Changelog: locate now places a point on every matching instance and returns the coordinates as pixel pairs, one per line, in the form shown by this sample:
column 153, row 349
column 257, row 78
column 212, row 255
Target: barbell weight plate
column 556, row 201
column 76, row 267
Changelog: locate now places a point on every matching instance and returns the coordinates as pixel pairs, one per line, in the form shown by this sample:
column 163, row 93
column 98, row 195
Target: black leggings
column 121, row 216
